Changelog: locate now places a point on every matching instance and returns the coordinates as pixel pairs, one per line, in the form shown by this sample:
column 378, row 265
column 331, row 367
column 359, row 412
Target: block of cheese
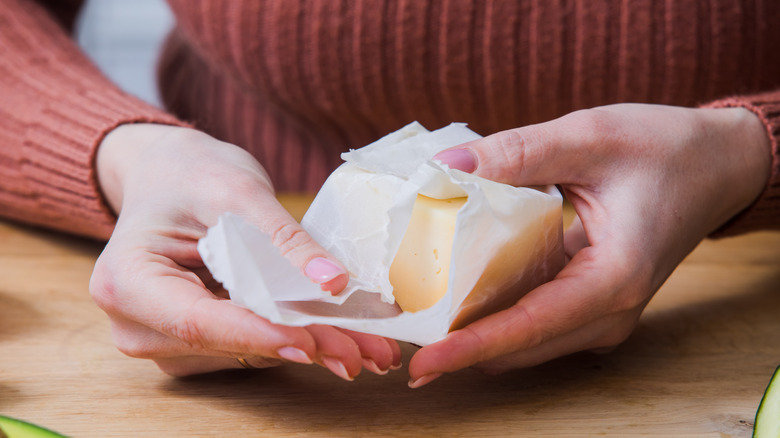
column 525, row 260
column 421, row 268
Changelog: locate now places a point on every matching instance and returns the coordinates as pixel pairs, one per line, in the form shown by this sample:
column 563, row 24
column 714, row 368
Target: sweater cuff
column 764, row 213
column 60, row 166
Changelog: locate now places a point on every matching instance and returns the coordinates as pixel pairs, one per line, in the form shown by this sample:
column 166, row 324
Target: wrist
column 121, row 151
column 749, row 155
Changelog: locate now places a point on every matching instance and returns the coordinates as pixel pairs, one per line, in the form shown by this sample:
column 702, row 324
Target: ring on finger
column 243, row 362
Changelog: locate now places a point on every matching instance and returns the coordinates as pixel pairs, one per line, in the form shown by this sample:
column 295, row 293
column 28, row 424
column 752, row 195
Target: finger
column 555, row 152
column 336, row 351
column 173, row 301
column 139, row 341
column 191, row 365
column 575, row 238
column 379, row 354
column 296, row 244
column 173, row 356
column 593, row 284
column 602, row 335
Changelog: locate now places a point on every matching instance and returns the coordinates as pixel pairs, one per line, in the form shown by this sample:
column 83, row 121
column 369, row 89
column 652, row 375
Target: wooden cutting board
column 696, row 365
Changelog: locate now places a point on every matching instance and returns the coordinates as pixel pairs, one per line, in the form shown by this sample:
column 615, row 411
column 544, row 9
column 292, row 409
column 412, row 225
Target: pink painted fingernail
column 373, row 367
column 424, row 380
column 461, row 159
column 294, row 355
column 322, row 270
column 337, row 367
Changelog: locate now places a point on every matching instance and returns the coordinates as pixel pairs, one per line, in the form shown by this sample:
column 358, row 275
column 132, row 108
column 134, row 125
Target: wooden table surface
column 696, row 366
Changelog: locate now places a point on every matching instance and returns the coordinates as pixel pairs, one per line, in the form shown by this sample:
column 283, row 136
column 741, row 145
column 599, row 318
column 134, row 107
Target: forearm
column 56, row 109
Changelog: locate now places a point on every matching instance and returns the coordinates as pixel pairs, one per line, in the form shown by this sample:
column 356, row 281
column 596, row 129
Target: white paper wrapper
column 508, row 240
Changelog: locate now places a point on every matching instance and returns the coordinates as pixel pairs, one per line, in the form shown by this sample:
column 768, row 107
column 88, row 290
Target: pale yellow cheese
column 421, row 268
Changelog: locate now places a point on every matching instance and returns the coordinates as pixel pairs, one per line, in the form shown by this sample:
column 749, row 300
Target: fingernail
column 321, row 270
column 294, row 355
column 337, row 367
column 424, row 380
column 394, row 367
column 373, row 367
column 461, row 159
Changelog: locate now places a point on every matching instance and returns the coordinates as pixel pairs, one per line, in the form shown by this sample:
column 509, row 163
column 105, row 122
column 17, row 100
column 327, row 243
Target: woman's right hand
column 168, row 185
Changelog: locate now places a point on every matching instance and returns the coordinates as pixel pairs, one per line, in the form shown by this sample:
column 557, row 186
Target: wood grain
column 696, row 366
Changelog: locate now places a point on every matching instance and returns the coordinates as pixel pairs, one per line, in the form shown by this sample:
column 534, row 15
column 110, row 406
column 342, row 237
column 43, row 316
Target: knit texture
column 297, row 82
column 55, row 109
column 765, row 211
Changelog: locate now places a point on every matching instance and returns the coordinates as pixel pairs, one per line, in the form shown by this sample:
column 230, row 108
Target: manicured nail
column 461, row 159
column 294, row 355
column 424, row 380
column 373, row 367
column 337, row 367
column 322, row 270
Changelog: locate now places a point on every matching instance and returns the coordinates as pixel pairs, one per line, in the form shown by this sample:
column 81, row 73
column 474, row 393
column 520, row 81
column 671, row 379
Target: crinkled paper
column 508, row 240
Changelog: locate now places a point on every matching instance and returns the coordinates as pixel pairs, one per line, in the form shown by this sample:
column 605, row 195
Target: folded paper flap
column 230, row 262
column 417, row 145
column 360, row 216
column 355, row 216
column 240, row 256
column 360, row 305
column 365, row 313
column 498, row 226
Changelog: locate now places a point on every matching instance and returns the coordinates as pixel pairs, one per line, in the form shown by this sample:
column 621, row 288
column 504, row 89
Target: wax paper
column 508, row 240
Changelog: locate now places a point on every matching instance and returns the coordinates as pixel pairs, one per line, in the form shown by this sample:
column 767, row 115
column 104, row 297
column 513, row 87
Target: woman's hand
column 168, row 185
column 648, row 183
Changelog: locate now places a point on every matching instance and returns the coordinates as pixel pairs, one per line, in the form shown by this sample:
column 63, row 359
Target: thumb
column 297, row 245
column 539, row 154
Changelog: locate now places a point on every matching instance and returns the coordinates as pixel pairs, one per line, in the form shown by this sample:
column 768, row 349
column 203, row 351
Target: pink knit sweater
column 298, row 81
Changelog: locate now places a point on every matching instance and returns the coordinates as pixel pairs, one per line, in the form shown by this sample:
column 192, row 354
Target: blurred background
column 124, row 38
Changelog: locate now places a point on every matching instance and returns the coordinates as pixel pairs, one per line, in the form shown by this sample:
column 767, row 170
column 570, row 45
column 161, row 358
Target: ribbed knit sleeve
column 55, row 108
column 764, row 213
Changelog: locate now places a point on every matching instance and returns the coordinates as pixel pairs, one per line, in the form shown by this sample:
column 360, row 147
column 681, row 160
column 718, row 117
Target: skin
column 168, row 185
column 645, row 192
column 648, row 183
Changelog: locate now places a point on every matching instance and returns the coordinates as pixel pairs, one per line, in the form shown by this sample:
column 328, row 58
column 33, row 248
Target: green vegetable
column 13, row 428
column 767, row 424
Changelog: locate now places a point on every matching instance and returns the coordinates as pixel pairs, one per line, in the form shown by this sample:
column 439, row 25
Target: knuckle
column 531, row 333
column 289, row 236
column 492, row 368
column 131, row 345
column 171, row 368
column 475, row 341
column 616, row 335
column 509, row 141
column 593, row 126
column 103, row 288
column 508, row 151
column 187, row 329
column 632, row 290
column 627, row 300
column 193, row 327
